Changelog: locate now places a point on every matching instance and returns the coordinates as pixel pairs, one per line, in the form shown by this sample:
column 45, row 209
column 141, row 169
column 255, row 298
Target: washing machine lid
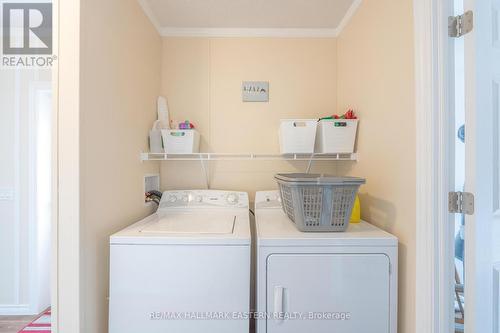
column 191, row 223
column 200, row 227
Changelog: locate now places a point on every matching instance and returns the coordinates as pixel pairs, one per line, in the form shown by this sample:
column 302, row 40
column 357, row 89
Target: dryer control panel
column 203, row 199
column 268, row 199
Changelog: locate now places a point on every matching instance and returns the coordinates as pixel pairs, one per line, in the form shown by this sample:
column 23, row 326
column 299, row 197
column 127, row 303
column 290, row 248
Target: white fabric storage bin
column 297, row 136
column 181, row 141
column 336, row 136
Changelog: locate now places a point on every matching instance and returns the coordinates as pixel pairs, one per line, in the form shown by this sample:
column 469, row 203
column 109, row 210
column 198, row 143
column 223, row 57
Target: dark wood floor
column 12, row 324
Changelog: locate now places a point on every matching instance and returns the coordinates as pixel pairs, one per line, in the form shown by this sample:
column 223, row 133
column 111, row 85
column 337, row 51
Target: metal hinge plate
column 461, row 24
column 461, row 203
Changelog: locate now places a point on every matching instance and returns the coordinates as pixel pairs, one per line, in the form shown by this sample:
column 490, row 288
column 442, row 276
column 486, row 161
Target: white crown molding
column 348, row 15
column 247, row 32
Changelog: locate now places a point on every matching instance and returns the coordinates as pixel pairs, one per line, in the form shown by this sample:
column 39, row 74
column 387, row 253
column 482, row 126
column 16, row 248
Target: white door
column 482, row 169
column 325, row 293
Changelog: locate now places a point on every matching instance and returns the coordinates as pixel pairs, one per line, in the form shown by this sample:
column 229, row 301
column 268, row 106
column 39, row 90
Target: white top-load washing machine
column 324, row 282
column 185, row 268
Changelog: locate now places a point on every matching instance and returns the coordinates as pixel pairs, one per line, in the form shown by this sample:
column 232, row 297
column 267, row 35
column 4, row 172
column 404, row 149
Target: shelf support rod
column 206, row 171
column 309, row 165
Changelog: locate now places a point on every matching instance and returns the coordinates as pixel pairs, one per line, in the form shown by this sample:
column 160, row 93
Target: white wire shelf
column 247, row 157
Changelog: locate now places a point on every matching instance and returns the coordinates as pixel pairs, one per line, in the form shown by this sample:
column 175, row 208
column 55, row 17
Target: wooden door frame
column 434, row 88
column 66, row 244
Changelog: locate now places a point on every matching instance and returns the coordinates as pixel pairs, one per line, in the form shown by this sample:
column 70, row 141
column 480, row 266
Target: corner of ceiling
column 150, row 14
column 348, row 16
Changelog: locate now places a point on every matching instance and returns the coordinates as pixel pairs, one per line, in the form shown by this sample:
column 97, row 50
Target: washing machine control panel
column 203, row 199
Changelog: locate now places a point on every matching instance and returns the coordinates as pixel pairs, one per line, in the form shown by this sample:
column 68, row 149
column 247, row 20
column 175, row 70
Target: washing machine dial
column 185, row 198
column 198, row 198
column 232, row 199
column 172, row 198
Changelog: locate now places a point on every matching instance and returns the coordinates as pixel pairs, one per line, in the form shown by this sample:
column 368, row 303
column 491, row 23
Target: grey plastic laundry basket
column 317, row 202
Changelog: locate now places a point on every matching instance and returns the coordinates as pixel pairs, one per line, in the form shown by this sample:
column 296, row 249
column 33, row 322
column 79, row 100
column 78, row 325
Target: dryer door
column 325, row 293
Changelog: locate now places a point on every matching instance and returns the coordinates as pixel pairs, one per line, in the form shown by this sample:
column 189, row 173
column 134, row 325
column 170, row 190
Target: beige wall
column 375, row 77
column 202, row 77
column 120, row 81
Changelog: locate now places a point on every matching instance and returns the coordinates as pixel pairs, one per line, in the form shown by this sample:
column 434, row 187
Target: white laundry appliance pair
column 186, row 269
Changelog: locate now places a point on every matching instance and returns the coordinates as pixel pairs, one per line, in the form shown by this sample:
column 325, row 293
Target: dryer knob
column 232, row 199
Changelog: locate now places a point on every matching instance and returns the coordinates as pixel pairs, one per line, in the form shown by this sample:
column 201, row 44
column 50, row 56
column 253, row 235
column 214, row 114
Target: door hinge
column 461, row 203
column 461, row 24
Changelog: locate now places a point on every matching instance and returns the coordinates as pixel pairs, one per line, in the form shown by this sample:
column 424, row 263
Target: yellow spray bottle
column 356, row 211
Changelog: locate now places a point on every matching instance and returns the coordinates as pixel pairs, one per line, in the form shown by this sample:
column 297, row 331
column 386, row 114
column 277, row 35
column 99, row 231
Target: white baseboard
column 16, row 310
